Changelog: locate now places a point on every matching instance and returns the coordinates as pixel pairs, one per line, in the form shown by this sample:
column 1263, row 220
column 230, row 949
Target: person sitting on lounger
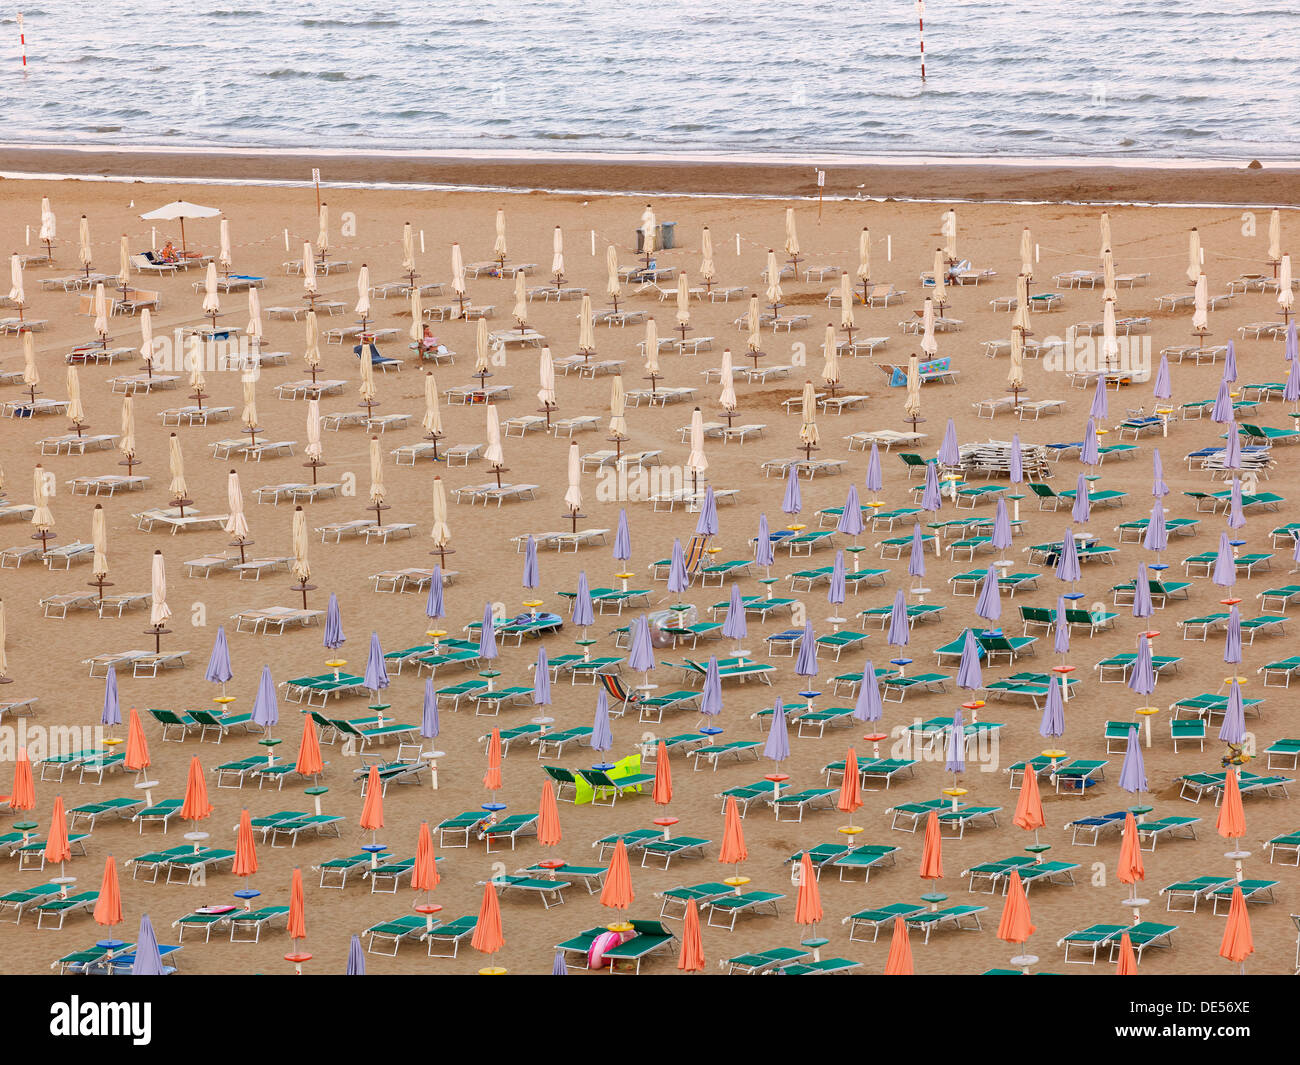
column 168, row 253
column 429, row 342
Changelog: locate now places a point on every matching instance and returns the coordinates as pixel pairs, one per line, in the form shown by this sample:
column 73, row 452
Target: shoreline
column 1081, row 181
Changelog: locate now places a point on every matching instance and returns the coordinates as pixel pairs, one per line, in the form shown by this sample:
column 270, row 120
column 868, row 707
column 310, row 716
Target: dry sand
column 45, row 655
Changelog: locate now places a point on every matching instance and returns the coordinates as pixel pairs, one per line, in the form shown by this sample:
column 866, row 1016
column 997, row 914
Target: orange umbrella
column 851, row 787
column 1232, row 818
column 691, row 959
column 424, row 875
column 932, row 853
column 24, row 791
column 1015, row 926
column 808, row 904
column 548, row 818
column 899, row 962
column 297, row 907
column 1128, row 965
column 617, row 892
column 1029, row 807
column 1130, row 854
column 372, row 810
column 733, row 836
column 137, row 747
column 245, row 848
column 663, row 788
column 309, row 759
column 487, row 932
column 196, row 806
column 108, row 910
column 56, row 847
column 1238, row 943
column 492, row 778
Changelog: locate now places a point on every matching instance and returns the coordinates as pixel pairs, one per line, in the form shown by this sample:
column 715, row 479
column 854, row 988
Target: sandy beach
column 45, row 655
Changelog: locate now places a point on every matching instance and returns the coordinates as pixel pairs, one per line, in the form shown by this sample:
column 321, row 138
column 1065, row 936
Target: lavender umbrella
column 1002, row 538
column 1067, row 566
column 678, row 579
column 835, row 594
column 711, row 693
column 334, row 637
column 805, row 664
column 356, row 958
column 641, row 653
column 916, row 555
column 1100, row 408
column 1236, row 517
column 777, row 747
column 532, row 578
column 622, row 538
column 931, row 497
column 1230, row 363
column 1163, row 387
column 148, row 959
column 869, row 706
column 1291, row 390
column 266, row 708
column 1016, row 469
column 1232, row 638
column 733, row 625
column 875, row 482
column 1142, row 677
column 1234, row 717
column 1156, row 538
column 1292, row 351
column 433, row 607
column 793, row 501
column 376, row 671
column 1052, row 725
column 1089, row 454
column 112, row 714
column 1133, row 774
column 989, row 605
column 949, row 451
column 602, row 739
column 541, row 679
column 429, row 723
column 850, row 523
column 1082, row 509
column 581, row 612
column 707, row 525
column 559, row 967
column 1142, row 605
column 1158, row 487
column 968, row 673
column 1223, row 411
column 218, row 671
column 898, row 627
column 1061, row 629
column 1232, row 448
column 763, row 554
column 487, row 637
column 1224, row 573
column 956, row 760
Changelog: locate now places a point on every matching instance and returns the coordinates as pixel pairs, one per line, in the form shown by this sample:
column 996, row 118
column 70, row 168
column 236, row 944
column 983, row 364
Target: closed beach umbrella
column 99, row 540
column 148, row 959
column 792, row 502
column 520, row 312
column 1052, row 724
column 313, row 449
column 696, row 461
column 245, row 863
column 211, row 301
column 847, row 321
column 557, row 254
column 808, row 903
column 146, row 337
column 487, row 640
column 23, row 793
column 112, row 713
column 548, row 817
column 300, row 568
column 932, row 850
column 372, row 807
column 1029, row 806
column 1194, row 266
column 311, row 351
column 831, row 357
column 433, row 606
column 948, row 228
column 429, row 724
column 440, row 533
column 649, row 230
column 640, row 656
column 56, row 842
column 1274, row 235
column 850, row 794
column 1104, row 230
column 940, row 296
column 297, row 923
column 333, row 634
column 248, row 415
column 309, row 762
column 662, row 790
column 494, row 454
column 774, row 292
column 651, row 346
column 806, row 661
column 323, row 229
column 727, row 397
column 1132, row 772
column 1238, row 942
column 777, row 747
column 955, row 760
column 488, row 937
column 573, row 495
column 546, row 377
column 1142, row 678
column 586, row 326
column 42, row 517
column 617, row 892
column 356, row 958
column 432, row 420
column 1285, row 293
column 898, row 634
column 1016, row 368
column 602, row 737
column 864, row 255
column 850, row 522
column 683, row 314
column 929, row 345
column 366, row 389
column 101, row 310
column 733, row 850
column 362, row 307
column 424, row 874
column 177, row 463
column 126, row 444
column 754, row 338
column 224, row 259
column 237, row 523
column 869, row 706
column 218, row 670
column 808, row 435
column 378, row 492
column 1201, row 304
column 159, row 612
column 912, row 402
column 376, row 672
column 31, row 372
column 196, row 806
column 266, row 707
column 531, row 577
column 707, row 269
column 1130, row 853
column 308, row 269
column 1016, row 924
column 76, row 412
column 791, row 234
column 1231, row 821
column 691, row 957
column 499, row 246
column 254, row 327
column 1233, row 729
column 898, row 962
column 969, row 675
column 108, row 907
column 17, row 293
column 1026, row 252
column 581, row 612
column 763, row 553
column 613, row 286
column 1108, row 290
column 84, row 254
column 458, row 285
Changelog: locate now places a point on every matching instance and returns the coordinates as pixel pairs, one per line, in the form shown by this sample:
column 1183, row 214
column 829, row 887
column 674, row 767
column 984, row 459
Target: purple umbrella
column 602, row 739
column 266, row 708
column 931, row 497
column 1164, row 387
column 1100, row 403
column 1016, row 465
column 1223, row 411
column 1230, row 363
column 1142, row 677
column 1067, row 566
column 949, row 451
column 532, row 577
column 1295, row 552
column 334, row 637
column 875, row 482
column 541, row 679
column 1232, row 448
column 733, row 625
column 711, row 693
column 429, row 723
column 916, row 557
column 581, row 612
column 622, row 538
column 148, row 959
column 678, row 579
column 559, row 967
column 218, row 671
column 1291, row 390
column 433, row 607
column 1002, row 538
column 1082, row 509
column 850, row 523
column 956, row 761
column 487, row 637
column 989, row 605
column 1089, row 454
column 968, row 673
column 707, row 525
column 1292, row 352
column 376, row 673
column 1156, row 538
column 1232, row 638
column 777, row 747
column 868, row 706
column 112, row 714
column 805, row 664
column 641, row 653
column 1234, row 717
column 793, row 501
column 356, row 958
column 1133, row 774
column 1158, row 487
column 835, row 594
column 898, row 627
column 1142, row 605
column 1225, row 566
column 763, row 554
column 1052, row 725
column 1236, row 518
column 1061, row 629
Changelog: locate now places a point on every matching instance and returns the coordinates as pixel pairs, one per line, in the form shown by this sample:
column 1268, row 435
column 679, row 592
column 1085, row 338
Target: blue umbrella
column 641, row 652
column 487, row 637
column 869, row 706
column 898, row 628
column 1133, row 773
column 333, row 637
column 532, row 577
column 1052, row 726
column 1234, row 717
column 805, row 664
column 1142, row 605
column 1142, row 678
column 969, row 675
column 1100, row 404
column 1230, row 363
column 1163, row 387
column 1089, row 454
column 148, row 959
column 1222, row 411
column 433, row 607
column 376, row 672
column 949, row 451
column 1002, row 538
column 850, row 523
column 678, row 579
column 1232, row 638
column 356, row 958
column 218, row 671
column 707, row 525
column 956, row 760
column 602, row 739
column 1016, row 464
column 1061, row 629
column 733, row 625
column 1236, row 517
column 875, row 482
column 931, row 497
column 1082, row 509
column 581, row 612
column 1224, row 573
column 835, row 594
column 541, row 680
column 916, row 553
column 1156, row 538
column 558, row 967
column 763, row 553
column 1158, row 487
column 112, row 714
column 1067, row 566
column 793, row 501
column 989, row 605
column 711, row 691
column 622, row 538
column 429, row 723
column 266, row 707
column 777, row 747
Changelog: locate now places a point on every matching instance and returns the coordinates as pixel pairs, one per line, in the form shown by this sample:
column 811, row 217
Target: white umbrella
column 808, row 421
column 76, row 412
column 417, row 315
column 31, row 373
column 17, row 294
column 159, row 612
column 1109, row 340
column 146, row 337
column 1201, row 311
column 754, row 341
column 586, row 326
column 1274, row 235
column 211, row 301
column 432, row 420
column 323, row 230
column 377, row 489
column 308, row 269
column 649, row 231
column 847, row 320
column 194, row 359
column 1285, row 293
column 248, row 416
column 520, row 312
column 949, row 230
column 573, row 497
column 1016, row 372
column 727, row 397
column 362, row 308
column 366, row 388
column 254, row 327
column 1026, row 252
column 617, row 403
column 482, row 347
column 791, row 236
column 177, row 463
column 457, row 271
column 101, row 310
column 613, row 286
column 683, row 300
column 831, row 357
column 651, row 345
column 126, row 444
column 4, row 639
column 696, row 461
column 499, row 247
column 940, row 279
column 912, row 402
column 773, row 279
column 42, row 518
column 546, row 375
column 49, row 226
column 311, row 352
column 928, row 343
column 83, row 246
column 494, row 454
column 313, row 449
column 706, row 256
column 557, row 255
column 408, row 249
column 864, row 255
column 179, row 210
column 1194, row 266
column 223, row 256
column 1109, row 289
column 439, row 532
column 300, row 568
column 99, row 539
column 1020, row 320
column 1104, row 228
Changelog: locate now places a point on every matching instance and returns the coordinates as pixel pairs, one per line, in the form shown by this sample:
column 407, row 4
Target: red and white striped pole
column 920, row 23
column 22, row 37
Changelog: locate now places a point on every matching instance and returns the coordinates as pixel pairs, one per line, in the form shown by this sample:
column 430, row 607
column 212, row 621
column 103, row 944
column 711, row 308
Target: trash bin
column 664, row 239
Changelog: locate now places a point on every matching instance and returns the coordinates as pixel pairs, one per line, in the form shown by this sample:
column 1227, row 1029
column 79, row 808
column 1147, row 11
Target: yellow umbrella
column 651, row 346
column 847, row 320
column 727, row 397
column 417, row 314
column 613, row 286
column 248, row 416
column 773, row 279
column 313, row 450
column 617, row 421
column 808, row 427
column 546, row 375
column 308, row 268
column 940, row 295
column 791, row 237
column 573, row 496
column 177, row 463
column 557, row 255
column 408, row 249
column 311, row 353
column 76, row 412
column 31, row 374
column 377, row 490
column 362, row 308
column 520, row 313
column 1194, row 266
column 706, row 257
column 99, row 539
column 146, row 337
column 440, row 533
column 494, row 454
column 912, row 402
column 223, row 256
column 323, row 231
column 126, row 445
column 499, row 247
column 928, row 343
column 949, row 230
column 586, row 327
column 83, row 250
column 696, row 461
column 683, row 301
column 1026, row 253
column 159, row 612
column 300, row 567
column 101, row 310
column 432, row 421
column 236, row 523
column 42, row 518
column 830, row 357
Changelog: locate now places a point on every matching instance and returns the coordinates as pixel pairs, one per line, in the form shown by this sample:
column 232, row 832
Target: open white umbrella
column 707, row 269
column 362, row 308
column 308, row 269
column 727, row 397
column 159, row 612
column 586, row 327
column 557, row 255
column 179, row 210
column 573, row 496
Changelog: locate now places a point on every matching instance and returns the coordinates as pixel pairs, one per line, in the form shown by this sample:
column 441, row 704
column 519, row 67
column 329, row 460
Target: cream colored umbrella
column 432, row 420
column 254, row 327
column 651, row 346
column 482, row 349
column 17, row 293
column 520, row 312
column 1020, row 319
column 248, row 416
column 42, row 517
column 696, row 461
column 458, row 285
column 847, row 320
column 1194, row 266
column 211, row 302
column 546, row 377
column 440, row 532
column 613, row 286
column 1016, row 371
column 683, row 303
column 224, row 259
column 864, row 259
column 362, row 308
column 159, row 611
column 649, row 231
column 1027, row 253
column 726, row 378
column 774, row 292
column 83, row 249
column 1104, row 228
column 573, row 496
column 1274, row 236
column 617, row 405
column 323, row 231
column 808, row 435
column 300, row 568
column 1109, row 337
column 309, row 283
column 557, row 255
column 948, row 228
column 311, row 352
column 176, row 461
column 1285, row 293
column 791, row 236
column 4, row 640
column 126, row 443
column 99, row 540
column 494, row 454
column 194, row 359
column 940, row 294
column 831, row 358
column 378, row 491
column 31, row 373
column 366, row 389
column 586, row 327
column 1110, row 291
column 146, row 338
column 417, row 316
column 76, row 412
column 236, row 522
column 408, row 249
column 49, row 226
column 1201, row 306
column 313, row 450
column 912, row 401
column 707, row 269
column 928, row 343
column 754, row 341
column 499, row 247
column 101, row 311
